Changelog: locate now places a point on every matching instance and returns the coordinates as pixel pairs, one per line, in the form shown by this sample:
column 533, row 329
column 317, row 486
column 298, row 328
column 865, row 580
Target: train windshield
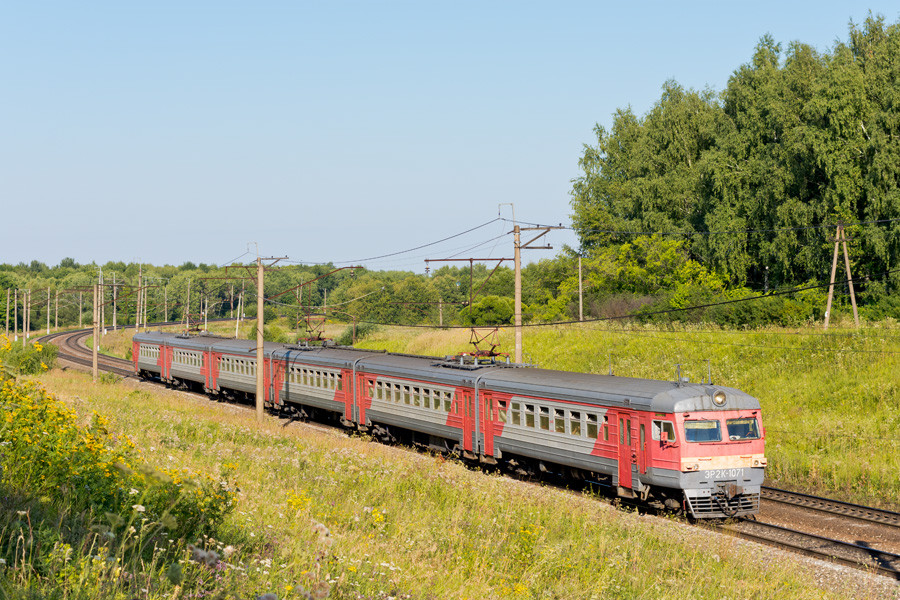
column 742, row 429
column 702, row 431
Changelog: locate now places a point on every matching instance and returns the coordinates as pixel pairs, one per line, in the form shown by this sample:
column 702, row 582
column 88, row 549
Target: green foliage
column 798, row 139
column 31, row 359
column 363, row 330
column 87, row 503
column 491, row 310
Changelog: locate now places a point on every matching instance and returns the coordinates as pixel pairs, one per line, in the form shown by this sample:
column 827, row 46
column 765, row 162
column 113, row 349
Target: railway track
column 832, row 507
column 857, row 554
column 72, row 349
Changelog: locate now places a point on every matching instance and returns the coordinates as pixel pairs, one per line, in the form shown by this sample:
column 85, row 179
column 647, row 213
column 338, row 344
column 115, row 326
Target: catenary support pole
column 518, row 298
column 260, row 323
column 95, row 342
column 580, row 292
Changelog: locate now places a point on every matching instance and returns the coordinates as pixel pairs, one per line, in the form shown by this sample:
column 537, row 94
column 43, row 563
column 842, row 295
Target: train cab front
column 722, row 455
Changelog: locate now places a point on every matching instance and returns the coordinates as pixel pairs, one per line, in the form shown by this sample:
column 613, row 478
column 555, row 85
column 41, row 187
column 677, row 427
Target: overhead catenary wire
column 719, row 232
column 371, row 258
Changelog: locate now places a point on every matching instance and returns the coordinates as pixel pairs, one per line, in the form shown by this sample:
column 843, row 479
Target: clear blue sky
column 334, row 131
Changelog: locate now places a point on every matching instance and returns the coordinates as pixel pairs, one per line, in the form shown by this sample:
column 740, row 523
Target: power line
column 650, row 313
column 723, row 231
column 456, row 235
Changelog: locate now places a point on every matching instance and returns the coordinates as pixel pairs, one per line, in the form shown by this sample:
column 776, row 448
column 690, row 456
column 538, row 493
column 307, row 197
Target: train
column 696, row 448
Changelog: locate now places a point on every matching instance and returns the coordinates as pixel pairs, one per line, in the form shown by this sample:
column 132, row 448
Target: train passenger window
column 702, row 431
column 406, row 398
column 559, row 418
column 502, row 411
column 643, row 438
column 545, row 418
column 657, row 427
column 628, row 432
column 448, row 401
column 591, row 426
column 416, row 396
column 426, row 398
column 339, row 382
column 529, row 415
column 371, row 389
column 516, row 414
column 742, row 429
column 575, row 423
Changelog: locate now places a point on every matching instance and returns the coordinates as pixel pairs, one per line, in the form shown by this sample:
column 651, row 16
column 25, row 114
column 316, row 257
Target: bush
column 30, row 360
column 363, row 330
column 88, row 471
column 491, row 310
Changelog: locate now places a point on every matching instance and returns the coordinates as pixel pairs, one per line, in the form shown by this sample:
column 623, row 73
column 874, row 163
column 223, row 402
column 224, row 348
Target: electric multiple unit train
column 695, row 447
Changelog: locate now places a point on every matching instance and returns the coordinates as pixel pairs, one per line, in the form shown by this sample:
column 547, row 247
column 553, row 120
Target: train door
column 467, row 412
column 362, row 401
column 349, row 400
column 166, row 354
column 642, row 458
column 487, row 418
column 626, row 453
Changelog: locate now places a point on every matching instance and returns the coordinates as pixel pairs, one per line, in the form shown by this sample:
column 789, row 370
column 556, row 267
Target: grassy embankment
column 831, row 402
column 399, row 524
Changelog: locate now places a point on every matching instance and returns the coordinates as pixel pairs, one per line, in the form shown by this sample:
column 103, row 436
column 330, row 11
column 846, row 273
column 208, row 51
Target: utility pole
column 48, row 311
column 260, row 342
column 137, row 306
column 95, row 342
column 231, row 304
column 166, row 303
column 206, row 315
column 240, row 310
column 7, row 312
column 441, row 312
column 544, row 230
column 56, row 312
column 26, row 322
column 80, row 310
column 187, row 312
column 840, row 239
column 580, row 293
column 16, row 315
column 260, row 354
column 115, row 304
column 102, row 302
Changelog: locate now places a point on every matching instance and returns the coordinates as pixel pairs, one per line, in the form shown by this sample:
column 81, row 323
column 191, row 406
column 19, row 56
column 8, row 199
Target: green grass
column 351, row 519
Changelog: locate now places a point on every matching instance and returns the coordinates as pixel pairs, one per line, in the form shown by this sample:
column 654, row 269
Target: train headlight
column 719, row 398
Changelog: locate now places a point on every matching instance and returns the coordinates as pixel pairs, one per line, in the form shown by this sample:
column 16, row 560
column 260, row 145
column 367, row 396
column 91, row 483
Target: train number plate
column 724, row 474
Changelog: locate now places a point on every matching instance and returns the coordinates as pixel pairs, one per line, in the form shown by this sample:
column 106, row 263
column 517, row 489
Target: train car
column 695, row 447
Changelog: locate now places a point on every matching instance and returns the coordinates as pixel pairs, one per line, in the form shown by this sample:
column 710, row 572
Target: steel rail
column 875, row 555
column 831, row 506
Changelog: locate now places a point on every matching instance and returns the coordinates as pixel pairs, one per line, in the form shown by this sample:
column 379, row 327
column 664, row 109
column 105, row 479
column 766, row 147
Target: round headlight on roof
column 719, row 398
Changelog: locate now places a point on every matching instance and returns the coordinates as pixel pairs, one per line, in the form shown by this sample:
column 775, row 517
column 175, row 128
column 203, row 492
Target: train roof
column 607, row 390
